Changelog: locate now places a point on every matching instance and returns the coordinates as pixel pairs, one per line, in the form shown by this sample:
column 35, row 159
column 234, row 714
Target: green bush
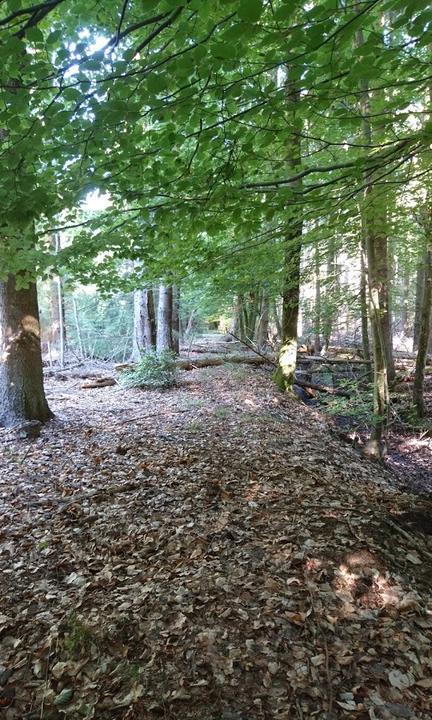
column 154, row 370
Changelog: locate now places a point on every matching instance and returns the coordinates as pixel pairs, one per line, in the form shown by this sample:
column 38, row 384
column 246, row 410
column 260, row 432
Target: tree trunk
column 331, row 288
column 235, row 324
column 317, row 307
column 424, row 324
column 78, row 328
column 277, row 321
column 241, row 318
column 405, row 302
column 144, row 331
column 22, row 395
column 364, row 301
column 164, row 339
column 57, row 333
column 381, row 391
column 252, row 311
column 176, row 319
column 262, row 325
column 58, row 326
column 420, row 285
column 285, row 373
column 190, row 323
column 373, row 216
column 382, row 258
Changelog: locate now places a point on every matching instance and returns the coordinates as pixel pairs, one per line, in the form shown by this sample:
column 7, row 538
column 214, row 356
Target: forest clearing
column 215, row 359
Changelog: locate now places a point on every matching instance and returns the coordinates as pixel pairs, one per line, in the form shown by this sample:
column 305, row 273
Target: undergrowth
column 154, row 370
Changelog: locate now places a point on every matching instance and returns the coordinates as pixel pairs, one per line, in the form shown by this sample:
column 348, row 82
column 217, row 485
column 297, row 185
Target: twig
column 299, row 709
column 257, row 352
column 150, row 415
column 348, row 522
column 329, row 683
column 407, row 536
column 64, row 369
column 333, row 361
column 322, row 388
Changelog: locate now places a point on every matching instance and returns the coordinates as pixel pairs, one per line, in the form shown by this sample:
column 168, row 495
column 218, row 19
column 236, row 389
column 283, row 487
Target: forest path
column 209, row 552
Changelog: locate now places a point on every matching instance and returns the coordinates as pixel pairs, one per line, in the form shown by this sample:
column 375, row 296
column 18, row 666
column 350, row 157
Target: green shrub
column 154, row 370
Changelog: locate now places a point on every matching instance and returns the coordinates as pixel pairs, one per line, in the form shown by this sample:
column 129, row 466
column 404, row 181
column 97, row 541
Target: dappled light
column 212, row 536
column 30, row 325
column 215, row 360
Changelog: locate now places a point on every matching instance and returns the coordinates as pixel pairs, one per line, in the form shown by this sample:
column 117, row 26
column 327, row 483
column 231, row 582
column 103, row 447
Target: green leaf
column 225, row 51
column 156, row 83
column 34, row 35
column 250, row 10
column 64, row 696
column 284, row 12
column 54, row 37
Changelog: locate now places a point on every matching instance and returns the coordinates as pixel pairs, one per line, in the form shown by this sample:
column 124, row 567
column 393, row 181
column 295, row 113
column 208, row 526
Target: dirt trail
column 209, row 552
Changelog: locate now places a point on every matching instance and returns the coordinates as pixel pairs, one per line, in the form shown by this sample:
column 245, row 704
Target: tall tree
column 287, row 358
column 425, row 317
column 22, row 395
column 164, row 338
column 144, row 326
column 176, row 319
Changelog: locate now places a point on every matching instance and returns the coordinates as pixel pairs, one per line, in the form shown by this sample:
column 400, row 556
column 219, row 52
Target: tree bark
column 420, row 284
column 405, row 302
column 381, row 391
column 235, row 324
column 251, row 310
column 262, row 325
column 57, row 332
column 276, row 318
column 78, row 328
column 164, row 339
column 285, row 373
column 22, row 395
column 331, row 290
column 424, row 330
column 144, row 331
column 373, row 216
column 176, row 319
column 364, row 301
column 317, row 306
column 382, row 258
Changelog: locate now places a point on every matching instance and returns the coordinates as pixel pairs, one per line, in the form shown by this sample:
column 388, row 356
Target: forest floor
column 209, row 552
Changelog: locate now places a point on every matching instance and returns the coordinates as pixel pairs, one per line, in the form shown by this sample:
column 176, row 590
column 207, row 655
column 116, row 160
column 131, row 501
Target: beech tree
column 144, row 330
column 22, row 394
column 213, row 168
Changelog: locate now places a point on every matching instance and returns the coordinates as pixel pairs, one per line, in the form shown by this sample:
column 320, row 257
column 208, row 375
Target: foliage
column 104, row 324
column 356, row 409
column 179, row 113
column 78, row 636
column 154, row 370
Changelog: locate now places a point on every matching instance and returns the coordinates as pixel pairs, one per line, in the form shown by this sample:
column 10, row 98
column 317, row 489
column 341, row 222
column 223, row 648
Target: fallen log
column 333, row 361
column 194, row 363
column 321, row 388
column 49, row 372
column 255, row 350
column 220, row 349
column 99, row 382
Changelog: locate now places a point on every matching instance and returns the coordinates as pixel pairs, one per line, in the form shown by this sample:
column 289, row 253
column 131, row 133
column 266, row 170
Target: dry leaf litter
column 209, row 552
